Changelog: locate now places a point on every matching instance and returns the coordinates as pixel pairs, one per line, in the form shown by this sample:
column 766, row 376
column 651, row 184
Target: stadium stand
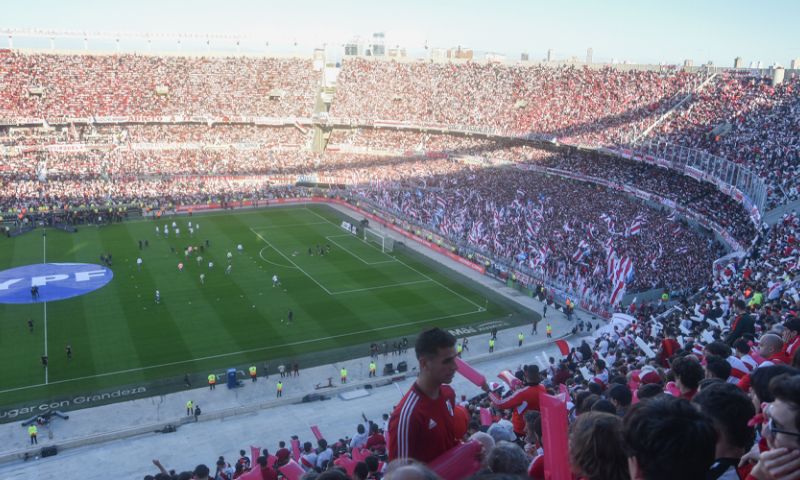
column 567, row 217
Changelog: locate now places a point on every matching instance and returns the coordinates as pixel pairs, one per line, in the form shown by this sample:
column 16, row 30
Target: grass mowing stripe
column 115, row 318
column 417, row 271
column 302, row 302
column 68, row 319
column 290, row 261
column 272, row 347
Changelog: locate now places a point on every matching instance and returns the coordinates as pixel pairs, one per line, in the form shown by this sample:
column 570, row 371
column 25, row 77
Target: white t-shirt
column 324, row 456
column 359, row 439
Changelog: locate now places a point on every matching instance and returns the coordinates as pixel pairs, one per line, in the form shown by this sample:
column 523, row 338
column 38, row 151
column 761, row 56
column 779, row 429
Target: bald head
column 769, row 345
column 487, row 444
column 413, row 471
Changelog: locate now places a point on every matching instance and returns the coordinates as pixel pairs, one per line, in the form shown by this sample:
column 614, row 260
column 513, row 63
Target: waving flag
column 581, row 252
column 624, row 269
column 656, row 257
column 617, row 293
column 529, row 229
column 634, row 229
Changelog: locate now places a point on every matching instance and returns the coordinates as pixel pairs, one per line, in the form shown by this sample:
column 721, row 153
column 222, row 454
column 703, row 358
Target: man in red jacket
column 523, row 400
column 422, row 424
column 669, row 347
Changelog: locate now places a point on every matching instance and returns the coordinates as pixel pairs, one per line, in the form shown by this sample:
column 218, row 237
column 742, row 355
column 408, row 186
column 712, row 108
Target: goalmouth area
column 344, row 293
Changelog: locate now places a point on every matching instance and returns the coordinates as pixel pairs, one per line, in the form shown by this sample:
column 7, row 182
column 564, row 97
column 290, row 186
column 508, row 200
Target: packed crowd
column 718, row 402
column 59, row 86
column 529, row 220
column 576, row 105
column 740, row 117
column 437, row 191
column 747, row 120
column 411, row 141
column 153, row 133
column 223, row 134
column 702, row 197
column 701, row 388
column 707, row 388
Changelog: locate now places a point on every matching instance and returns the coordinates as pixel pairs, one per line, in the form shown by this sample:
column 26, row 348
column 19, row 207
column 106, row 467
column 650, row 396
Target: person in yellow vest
column 189, row 408
column 343, row 374
column 252, row 370
column 373, row 369
column 32, row 432
column 549, row 331
column 491, row 345
column 212, row 381
column 520, row 338
column 665, row 297
column 459, row 349
column 280, row 389
column 758, row 297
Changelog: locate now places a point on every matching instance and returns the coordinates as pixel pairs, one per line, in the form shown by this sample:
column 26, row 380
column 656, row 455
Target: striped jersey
column 420, row 427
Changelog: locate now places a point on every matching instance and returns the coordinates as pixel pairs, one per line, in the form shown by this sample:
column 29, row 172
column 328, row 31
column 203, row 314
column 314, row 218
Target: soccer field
column 119, row 335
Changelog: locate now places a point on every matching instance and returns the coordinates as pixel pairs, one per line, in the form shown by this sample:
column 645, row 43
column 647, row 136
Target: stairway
column 674, row 108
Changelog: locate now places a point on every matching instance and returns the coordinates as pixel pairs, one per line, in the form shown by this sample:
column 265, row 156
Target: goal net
column 385, row 243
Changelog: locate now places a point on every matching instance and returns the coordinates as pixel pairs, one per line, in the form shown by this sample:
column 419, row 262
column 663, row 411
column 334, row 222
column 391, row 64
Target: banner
column 554, row 438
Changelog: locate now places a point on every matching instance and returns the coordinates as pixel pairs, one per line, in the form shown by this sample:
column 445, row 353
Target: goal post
column 385, row 243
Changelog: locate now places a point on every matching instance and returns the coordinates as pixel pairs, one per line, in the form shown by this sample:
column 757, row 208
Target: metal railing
column 740, row 183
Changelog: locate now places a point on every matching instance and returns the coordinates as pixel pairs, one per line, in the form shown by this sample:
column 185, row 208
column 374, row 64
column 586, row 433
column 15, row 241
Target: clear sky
column 638, row 31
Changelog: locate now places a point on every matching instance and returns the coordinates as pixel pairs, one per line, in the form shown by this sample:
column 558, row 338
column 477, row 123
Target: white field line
column 290, row 261
column 318, row 215
column 252, row 350
column 379, row 287
column 44, row 260
column 293, row 225
column 356, row 256
column 329, row 292
column 420, row 273
column 261, row 254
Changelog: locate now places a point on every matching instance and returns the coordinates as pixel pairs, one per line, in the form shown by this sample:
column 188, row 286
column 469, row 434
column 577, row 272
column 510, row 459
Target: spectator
column 507, row 458
column 661, row 431
column 324, row 454
column 360, row 438
column 429, row 402
column 201, row 472
column 730, row 410
column 742, row 325
column 410, row 471
column 717, row 367
column 522, row 400
column 782, row 431
column 597, row 447
column 620, row 396
column 688, row 373
column 376, row 443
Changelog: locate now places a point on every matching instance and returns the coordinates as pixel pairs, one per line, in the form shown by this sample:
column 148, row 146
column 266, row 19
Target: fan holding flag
column 523, row 400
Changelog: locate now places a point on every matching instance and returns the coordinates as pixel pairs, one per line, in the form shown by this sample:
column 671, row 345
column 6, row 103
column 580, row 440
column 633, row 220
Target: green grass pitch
column 120, row 336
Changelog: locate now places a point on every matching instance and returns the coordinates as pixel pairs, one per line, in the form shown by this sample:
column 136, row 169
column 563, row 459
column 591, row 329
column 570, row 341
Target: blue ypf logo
column 47, row 282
